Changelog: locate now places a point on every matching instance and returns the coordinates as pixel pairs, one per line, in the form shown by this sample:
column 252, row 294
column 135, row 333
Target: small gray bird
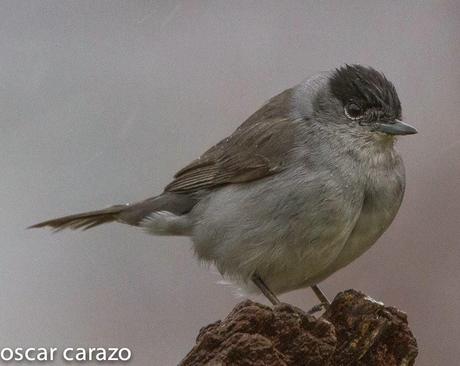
column 303, row 187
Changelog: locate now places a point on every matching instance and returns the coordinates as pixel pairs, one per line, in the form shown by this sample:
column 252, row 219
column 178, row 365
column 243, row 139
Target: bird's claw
column 317, row 308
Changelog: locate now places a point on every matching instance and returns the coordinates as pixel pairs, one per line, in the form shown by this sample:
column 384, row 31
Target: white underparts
column 165, row 223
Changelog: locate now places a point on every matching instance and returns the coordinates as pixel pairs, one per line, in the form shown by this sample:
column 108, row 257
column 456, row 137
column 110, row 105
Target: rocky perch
column 355, row 330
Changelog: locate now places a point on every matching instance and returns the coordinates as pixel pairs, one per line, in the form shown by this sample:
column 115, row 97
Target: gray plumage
column 303, row 187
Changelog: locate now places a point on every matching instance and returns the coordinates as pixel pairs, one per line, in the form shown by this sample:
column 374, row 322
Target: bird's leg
column 320, row 295
column 324, row 302
column 265, row 290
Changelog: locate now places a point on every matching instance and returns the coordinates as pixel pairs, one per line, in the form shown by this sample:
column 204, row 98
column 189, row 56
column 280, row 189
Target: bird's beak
column 396, row 128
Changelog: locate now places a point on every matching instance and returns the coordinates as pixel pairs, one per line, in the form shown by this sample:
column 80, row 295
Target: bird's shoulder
column 257, row 149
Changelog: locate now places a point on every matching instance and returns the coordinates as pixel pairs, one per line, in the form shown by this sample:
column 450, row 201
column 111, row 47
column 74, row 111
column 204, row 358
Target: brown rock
column 369, row 333
column 355, row 330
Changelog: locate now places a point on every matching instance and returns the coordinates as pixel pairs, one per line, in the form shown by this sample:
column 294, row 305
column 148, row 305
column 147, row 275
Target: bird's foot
column 317, row 308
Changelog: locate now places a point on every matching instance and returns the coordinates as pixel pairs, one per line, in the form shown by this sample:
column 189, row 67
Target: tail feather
column 131, row 214
column 83, row 221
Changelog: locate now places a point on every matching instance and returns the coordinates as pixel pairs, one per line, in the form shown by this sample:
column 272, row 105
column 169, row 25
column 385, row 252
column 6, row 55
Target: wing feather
column 250, row 153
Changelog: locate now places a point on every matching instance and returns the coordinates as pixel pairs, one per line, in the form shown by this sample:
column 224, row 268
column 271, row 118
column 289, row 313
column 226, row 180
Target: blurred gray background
column 102, row 101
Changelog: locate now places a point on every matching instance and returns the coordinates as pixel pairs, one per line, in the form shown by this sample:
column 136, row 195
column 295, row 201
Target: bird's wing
column 254, row 151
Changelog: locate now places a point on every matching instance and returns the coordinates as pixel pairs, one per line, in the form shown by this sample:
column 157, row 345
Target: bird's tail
column 83, row 221
column 131, row 214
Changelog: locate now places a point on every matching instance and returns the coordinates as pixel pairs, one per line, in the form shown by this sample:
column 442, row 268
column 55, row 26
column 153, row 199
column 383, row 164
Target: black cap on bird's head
column 369, row 98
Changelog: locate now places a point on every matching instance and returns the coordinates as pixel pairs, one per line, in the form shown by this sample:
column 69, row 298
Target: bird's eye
column 353, row 111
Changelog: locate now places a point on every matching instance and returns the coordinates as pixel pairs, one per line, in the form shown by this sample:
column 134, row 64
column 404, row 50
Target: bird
column 299, row 190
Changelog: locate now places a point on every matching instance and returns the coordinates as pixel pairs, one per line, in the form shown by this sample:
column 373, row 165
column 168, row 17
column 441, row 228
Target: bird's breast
column 384, row 190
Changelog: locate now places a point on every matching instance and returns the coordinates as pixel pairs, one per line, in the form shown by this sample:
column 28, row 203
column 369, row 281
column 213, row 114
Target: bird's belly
column 379, row 210
column 285, row 234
